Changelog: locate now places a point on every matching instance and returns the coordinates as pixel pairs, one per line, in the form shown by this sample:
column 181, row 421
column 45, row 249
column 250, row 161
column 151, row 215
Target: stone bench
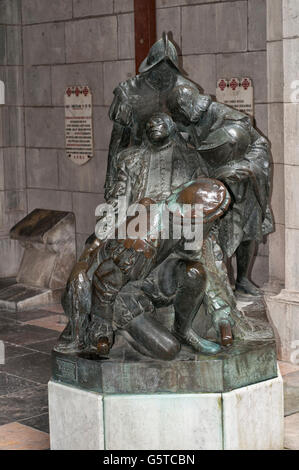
column 48, row 239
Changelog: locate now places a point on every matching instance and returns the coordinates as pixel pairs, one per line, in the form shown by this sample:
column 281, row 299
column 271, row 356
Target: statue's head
column 162, row 51
column 185, row 104
column 159, row 128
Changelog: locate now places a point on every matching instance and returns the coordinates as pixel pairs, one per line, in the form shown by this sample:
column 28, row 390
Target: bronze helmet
column 162, row 49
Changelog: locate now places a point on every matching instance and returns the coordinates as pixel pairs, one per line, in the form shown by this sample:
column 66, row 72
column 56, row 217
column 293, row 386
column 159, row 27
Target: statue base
column 127, row 371
column 129, row 401
column 84, row 420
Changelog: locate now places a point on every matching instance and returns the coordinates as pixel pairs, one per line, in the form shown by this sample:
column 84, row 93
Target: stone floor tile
column 12, row 384
column 43, row 346
column 32, row 315
column 25, row 334
column 287, row 368
column 6, row 321
column 24, row 404
column 35, row 367
column 8, row 315
column 52, row 322
column 16, row 436
column 40, row 422
column 54, row 308
column 14, row 350
column 291, row 432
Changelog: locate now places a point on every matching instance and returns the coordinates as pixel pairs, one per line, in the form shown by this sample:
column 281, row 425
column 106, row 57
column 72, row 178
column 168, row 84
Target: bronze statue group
column 171, row 144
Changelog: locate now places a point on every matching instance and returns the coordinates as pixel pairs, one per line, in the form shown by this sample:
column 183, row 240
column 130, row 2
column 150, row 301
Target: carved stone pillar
column 283, row 95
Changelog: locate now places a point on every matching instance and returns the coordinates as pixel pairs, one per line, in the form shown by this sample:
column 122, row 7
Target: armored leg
column 134, row 320
column 189, row 296
column 183, row 284
column 116, row 264
column 76, row 301
column 245, row 254
column 108, row 279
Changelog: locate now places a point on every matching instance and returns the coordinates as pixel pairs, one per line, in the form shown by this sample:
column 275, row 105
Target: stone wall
column 276, row 133
column 13, row 203
column 283, row 91
column 65, row 42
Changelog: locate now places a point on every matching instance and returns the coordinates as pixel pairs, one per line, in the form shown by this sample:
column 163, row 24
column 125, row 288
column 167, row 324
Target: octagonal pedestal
column 246, row 418
column 127, row 371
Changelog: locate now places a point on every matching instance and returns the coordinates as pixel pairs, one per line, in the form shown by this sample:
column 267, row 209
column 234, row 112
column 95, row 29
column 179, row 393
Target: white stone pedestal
column 284, row 315
column 247, row 418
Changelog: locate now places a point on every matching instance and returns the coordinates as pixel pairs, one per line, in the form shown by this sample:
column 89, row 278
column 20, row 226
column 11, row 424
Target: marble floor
column 29, row 338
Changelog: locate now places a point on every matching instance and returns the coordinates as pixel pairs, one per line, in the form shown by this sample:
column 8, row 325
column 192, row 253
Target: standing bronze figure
column 138, row 98
column 236, row 154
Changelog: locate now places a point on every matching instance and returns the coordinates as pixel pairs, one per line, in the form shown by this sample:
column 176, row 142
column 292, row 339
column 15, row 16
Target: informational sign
column 78, row 124
column 237, row 93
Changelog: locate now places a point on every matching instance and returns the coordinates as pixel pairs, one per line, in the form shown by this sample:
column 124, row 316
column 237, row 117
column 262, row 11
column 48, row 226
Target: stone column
column 283, row 94
column 13, row 202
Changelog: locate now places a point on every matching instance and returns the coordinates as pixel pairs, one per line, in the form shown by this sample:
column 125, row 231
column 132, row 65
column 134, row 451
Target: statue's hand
column 79, row 272
column 223, row 322
column 233, row 174
column 226, row 334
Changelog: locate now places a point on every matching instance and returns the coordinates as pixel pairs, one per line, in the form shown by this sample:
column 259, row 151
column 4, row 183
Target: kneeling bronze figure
column 119, row 280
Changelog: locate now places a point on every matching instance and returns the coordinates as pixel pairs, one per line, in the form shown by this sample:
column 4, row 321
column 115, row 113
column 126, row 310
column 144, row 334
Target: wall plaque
column 237, row 93
column 78, row 124
column 67, row 369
